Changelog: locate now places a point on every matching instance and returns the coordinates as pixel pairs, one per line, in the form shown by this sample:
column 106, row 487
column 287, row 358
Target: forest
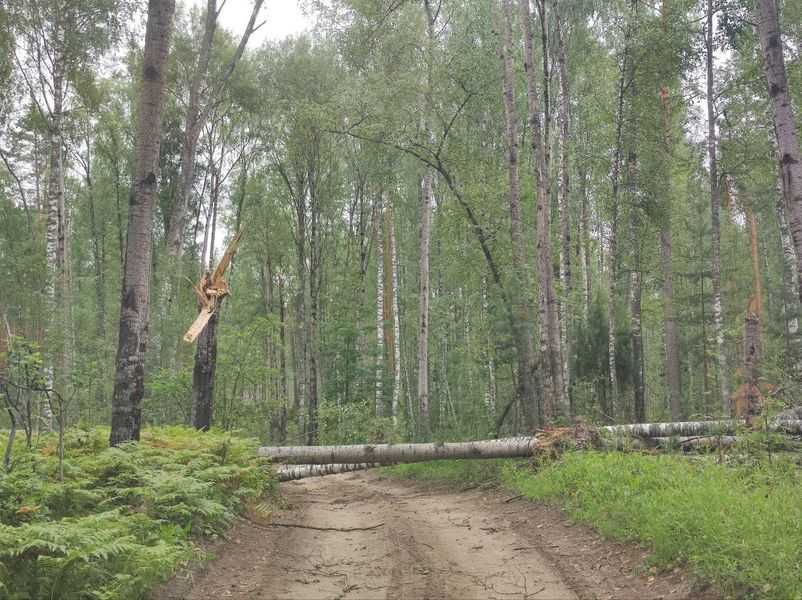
column 416, row 221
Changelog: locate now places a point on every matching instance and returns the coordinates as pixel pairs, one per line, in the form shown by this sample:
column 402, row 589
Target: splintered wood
column 211, row 290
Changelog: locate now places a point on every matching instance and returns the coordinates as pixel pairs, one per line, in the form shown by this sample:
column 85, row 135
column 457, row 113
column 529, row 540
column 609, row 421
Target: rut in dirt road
column 397, row 540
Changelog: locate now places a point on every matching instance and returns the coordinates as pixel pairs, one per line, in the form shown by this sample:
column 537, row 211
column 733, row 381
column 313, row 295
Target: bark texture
column 401, row 453
column 203, row 375
column 503, row 448
column 129, row 383
column 192, row 129
column 555, row 401
column 715, row 221
column 790, row 157
column 291, row 473
column 197, row 116
column 522, row 305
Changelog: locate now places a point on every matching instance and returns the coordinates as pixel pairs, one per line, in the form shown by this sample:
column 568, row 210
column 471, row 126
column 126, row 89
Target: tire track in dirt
column 434, row 543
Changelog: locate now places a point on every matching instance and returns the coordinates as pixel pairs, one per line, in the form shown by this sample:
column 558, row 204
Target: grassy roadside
column 739, row 527
column 123, row 518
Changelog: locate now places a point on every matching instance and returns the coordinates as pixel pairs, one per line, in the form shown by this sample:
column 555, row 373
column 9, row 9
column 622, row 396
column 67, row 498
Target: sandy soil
column 398, row 540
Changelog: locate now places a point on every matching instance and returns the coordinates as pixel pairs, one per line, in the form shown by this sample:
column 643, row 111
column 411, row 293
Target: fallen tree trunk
column 401, row 453
column 580, row 436
column 292, row 472
column 683, row 428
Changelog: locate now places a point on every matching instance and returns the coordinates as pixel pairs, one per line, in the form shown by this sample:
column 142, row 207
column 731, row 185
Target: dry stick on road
column 344, row 529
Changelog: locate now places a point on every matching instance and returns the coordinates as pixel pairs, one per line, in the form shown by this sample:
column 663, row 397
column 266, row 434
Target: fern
column 124, row 517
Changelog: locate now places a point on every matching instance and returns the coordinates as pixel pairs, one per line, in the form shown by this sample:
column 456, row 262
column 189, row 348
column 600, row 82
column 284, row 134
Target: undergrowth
column 738, row 525
column 124, row 518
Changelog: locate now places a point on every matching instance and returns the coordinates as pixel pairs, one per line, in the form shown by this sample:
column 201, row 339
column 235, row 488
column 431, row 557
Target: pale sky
column 284, row 18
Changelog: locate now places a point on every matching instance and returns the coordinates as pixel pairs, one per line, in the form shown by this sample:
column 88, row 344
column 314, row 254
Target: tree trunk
column 291, row 473
column 203, row 375
column 715, row 221
column 518, row 447
column 636, row 290
column 585, row 247
column 192, row 129
column 790, row 297
column 522, row 304
column 196, row 117
column 401, row 453
column 784, row 124
column 380, row 349
column 423, row 306
column 129, row 381
column 672, row 360
column 557, row 403
column 563, row 190
column 394, row 316
column 748, row 403
column 56, row 221
column 203, row 372
column 670, row 325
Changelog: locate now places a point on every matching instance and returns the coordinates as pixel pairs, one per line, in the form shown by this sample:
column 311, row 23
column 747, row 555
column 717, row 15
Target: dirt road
column 396, row 540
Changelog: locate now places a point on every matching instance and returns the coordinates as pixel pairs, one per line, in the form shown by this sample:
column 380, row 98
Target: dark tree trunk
column 203, row 375
column 523, row 306
column 555, row 400
column 129, row 383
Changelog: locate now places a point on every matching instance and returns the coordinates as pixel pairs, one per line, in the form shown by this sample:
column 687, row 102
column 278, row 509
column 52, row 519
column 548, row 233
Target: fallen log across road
column 401, row 453
column 502, row 448
column 293, row 472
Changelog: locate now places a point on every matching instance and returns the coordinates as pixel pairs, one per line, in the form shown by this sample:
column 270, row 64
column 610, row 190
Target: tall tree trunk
column 522, row 307
column 129, row 381
column 56, row 221
column 671, row 333
column 392, row 304
column 610, row 403
column 748, row 404
column 197, row 116
column 427, row 193
column 790, row 297
column 585, row 246
column 715, row 221
column 380, row 349
column 423, row 305
column 636, row 291
column 790, row 157
column 203, row 372
column 563, row 189
column 550, row 318
column 313, row 372
column 192, row 129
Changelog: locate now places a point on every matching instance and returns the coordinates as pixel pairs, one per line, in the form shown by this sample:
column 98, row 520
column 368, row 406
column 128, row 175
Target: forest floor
column 397, row 539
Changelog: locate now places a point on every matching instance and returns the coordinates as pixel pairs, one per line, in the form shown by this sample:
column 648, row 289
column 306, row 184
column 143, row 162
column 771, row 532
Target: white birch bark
column 379, row 391
column 396, row 321
column 294, row 472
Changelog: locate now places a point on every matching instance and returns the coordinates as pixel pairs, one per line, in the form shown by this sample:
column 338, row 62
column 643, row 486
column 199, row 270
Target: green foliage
column 124, row 517
column 736, row 526
column 354, row 423
column 460, row 472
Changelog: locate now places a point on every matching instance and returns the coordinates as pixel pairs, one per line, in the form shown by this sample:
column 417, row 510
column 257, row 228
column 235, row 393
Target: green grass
column 463, row 473
column 123, row 518
column 739, row 527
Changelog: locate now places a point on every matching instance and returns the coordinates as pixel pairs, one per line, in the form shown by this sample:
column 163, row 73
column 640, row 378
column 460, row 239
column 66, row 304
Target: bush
column 124, row 517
